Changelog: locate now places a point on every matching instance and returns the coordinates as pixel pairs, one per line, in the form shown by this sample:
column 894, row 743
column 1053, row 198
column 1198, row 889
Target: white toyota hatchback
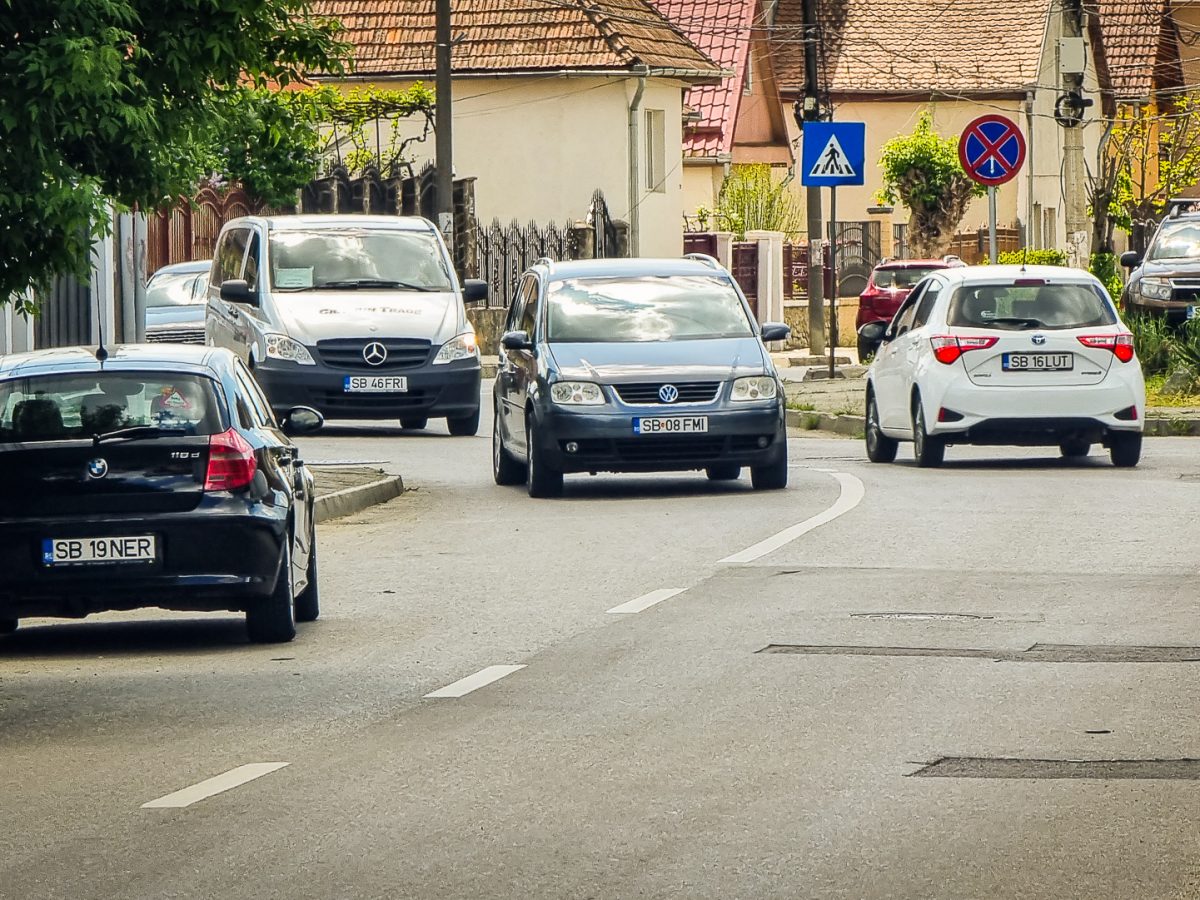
column 1011, row 355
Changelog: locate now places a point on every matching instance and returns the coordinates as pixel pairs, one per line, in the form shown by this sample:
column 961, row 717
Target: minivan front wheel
column 541, row 480
column 464, row 426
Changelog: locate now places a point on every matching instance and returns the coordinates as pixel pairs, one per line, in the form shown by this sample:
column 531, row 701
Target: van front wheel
column 464, row 426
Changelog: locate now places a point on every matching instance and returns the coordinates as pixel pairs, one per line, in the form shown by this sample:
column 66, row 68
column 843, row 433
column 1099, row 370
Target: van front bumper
column 450, row 390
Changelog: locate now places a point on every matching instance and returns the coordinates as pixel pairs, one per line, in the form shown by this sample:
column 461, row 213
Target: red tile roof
column 722, row 29
column 1140, row 42
column 396, row 37
column 915, row 47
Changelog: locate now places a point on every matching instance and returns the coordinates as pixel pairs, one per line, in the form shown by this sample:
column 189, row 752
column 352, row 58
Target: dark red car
column 888, row 286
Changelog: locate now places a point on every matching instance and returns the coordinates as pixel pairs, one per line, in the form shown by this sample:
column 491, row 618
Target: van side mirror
column 775, row 331
column 475, row 290
column 236, row 290
column 516, row 340
column 1131, row 259
column 874, row 333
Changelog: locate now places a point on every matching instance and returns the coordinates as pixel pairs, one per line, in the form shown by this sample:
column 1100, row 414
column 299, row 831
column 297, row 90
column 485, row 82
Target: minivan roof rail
column 709, row 261
column 544, row 261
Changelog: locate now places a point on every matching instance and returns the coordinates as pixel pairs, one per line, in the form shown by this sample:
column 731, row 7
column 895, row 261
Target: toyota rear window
column 1025, row 306
column 71, row 407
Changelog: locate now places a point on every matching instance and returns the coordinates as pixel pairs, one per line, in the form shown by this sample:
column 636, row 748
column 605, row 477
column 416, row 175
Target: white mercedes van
column 360, row 317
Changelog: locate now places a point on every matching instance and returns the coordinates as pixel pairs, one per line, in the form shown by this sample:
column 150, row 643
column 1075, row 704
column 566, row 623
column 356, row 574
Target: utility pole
column 810, row 111
column 1071, row 64
column 445, row 142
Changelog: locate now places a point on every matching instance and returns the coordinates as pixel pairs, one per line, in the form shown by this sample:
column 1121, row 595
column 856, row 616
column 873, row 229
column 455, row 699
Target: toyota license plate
column 671, row 425
column 139, row 548
column 1038, row 362
column 375, row 384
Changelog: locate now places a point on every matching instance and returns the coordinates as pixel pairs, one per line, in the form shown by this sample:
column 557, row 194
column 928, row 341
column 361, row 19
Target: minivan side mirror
column 516, row 340
column 237, row 291
column 874, row 333
column 474, row 290
column 1131, row 259
column 775, row 331
column 302, row 420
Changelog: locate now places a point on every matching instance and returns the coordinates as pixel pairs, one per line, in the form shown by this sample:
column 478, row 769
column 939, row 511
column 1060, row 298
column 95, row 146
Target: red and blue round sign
column 992, row 150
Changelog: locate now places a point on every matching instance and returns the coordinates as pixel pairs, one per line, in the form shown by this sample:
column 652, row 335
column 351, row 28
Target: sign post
column 833, row 154
column 992, row 151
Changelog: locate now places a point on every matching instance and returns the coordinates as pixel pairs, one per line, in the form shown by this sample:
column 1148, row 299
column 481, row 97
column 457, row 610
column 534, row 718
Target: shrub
column 1185, row 346
column 1152, row 342
column 1106, row 267
column 1031, row 258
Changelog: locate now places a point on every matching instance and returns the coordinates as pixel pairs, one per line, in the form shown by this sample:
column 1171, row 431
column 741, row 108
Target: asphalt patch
column 1038, row 653
column 1106, row 769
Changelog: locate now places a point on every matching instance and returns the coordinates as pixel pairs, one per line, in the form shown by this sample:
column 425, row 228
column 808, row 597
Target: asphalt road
column 1006, row 609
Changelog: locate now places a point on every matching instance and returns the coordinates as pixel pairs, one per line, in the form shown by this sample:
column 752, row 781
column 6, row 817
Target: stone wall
column 796, row 315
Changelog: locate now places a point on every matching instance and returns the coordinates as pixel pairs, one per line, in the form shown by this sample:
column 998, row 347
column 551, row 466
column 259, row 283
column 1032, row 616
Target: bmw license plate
column 1037, row 362
column 375, row 384
column 671, row 425
column 139, row 548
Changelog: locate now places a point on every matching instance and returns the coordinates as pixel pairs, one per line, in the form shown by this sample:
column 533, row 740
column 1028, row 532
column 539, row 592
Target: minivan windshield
column 1176, row 240
column 644, row 308
column 344, row 259
column 70, row 407
column 1037, row 305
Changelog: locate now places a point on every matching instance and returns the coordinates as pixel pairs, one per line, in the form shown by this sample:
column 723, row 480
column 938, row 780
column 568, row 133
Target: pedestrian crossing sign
column 834, row 154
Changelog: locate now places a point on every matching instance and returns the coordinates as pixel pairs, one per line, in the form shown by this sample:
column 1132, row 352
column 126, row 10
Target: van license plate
column 375, row 384
column 99, row 550
column 1038, row 362
column 671, row 425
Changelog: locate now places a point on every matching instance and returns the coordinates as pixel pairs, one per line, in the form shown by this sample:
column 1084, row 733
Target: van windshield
column 347, row 259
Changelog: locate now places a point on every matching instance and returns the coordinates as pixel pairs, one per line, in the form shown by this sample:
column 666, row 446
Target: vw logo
column 97, row 468
column 668, row 393
column 375, row 353
column 1038, row 339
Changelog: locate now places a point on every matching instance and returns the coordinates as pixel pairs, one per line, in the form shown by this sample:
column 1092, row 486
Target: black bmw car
column 156, row 477
column 636, row 365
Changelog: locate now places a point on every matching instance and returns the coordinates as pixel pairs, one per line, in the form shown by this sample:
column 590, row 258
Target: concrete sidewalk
column 345, row 490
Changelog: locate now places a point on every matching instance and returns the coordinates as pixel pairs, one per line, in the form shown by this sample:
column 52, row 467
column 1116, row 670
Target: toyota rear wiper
column 128, row 434
column 1018, row 320
column 356, row 283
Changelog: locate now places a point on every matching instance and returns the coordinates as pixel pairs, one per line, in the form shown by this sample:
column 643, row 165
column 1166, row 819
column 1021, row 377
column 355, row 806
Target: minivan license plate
column 98, row 550
column 671, row 425
column 1037, row 362
column 375, row 384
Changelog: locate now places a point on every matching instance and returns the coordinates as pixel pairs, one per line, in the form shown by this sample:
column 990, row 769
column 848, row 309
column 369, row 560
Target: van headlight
column 576, row 393
column 1155, row 288
column 754, row 387
column 280, row 346
column 462, row 347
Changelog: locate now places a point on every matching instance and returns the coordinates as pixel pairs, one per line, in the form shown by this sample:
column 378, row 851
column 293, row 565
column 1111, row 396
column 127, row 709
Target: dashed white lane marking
column 647, row 600
column 482, row 678
column 851, row 495
column 215, row 785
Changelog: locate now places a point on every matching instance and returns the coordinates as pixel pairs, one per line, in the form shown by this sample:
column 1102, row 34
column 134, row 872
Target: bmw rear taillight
column 1121, row 345
column 947, row 348
column 231, row 462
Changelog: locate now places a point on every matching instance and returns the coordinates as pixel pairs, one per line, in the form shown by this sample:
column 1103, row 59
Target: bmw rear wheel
column 272, row 620
column 308, row 601
column 1125, row 448
column 928, row 450
column 880, row 447
column 8, row 626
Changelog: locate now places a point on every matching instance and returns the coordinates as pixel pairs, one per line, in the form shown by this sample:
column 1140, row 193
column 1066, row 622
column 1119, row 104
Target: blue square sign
column 834, row 154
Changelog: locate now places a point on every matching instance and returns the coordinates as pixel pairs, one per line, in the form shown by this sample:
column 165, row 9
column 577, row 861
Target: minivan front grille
column 348, row 353
column 647, row 393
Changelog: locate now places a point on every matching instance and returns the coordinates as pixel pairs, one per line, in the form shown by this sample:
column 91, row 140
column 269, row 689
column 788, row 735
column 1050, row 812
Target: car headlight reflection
column 280, row 346
column 754, row 387
column 1155, row 288
column 464, row 346
column 576, row 393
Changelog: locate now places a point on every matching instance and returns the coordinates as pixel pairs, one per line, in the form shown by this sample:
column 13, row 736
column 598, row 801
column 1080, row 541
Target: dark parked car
column 175, row 299
column 156, row 477
column 1166, row 280
column 636, row 365
column 891, row 282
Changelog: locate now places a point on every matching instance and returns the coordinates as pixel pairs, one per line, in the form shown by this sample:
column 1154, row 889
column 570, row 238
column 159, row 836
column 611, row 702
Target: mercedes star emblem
column 97, row 468
column 375, row 353
column 668, row 393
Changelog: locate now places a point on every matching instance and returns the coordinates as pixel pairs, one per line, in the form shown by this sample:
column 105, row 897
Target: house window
column 656, row 150
column 748, row 87
column 1035, row 239
column 1049, row 228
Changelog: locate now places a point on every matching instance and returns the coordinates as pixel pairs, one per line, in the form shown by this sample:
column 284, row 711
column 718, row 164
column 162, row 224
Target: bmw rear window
column 1027, row 306
column 73, row 406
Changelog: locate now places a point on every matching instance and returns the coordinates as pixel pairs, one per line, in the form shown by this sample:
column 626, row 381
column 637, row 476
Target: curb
column 348, row 501
column 851, row 426
column 1165, row 426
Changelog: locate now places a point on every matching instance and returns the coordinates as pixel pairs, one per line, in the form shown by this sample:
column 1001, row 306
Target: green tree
column 117, row 100
column 752, row 199
column 922, row 171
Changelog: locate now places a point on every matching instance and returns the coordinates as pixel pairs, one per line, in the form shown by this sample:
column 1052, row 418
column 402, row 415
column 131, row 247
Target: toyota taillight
column 231, row 462
column 1121, row 345
column 947, row 348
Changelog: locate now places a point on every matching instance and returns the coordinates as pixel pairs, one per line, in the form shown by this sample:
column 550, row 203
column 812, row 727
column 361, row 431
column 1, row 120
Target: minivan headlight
column 280, row 346
column 462, row 347
column 576, row 393
column 1156, row 288
column 754, row 387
